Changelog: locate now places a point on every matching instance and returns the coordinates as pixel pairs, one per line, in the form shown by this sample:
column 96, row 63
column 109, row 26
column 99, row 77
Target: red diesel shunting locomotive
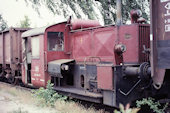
column 103, row 64
column 80, row 58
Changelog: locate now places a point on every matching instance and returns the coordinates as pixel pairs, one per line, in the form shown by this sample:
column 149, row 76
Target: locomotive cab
column 33, row 58
column 40, row 46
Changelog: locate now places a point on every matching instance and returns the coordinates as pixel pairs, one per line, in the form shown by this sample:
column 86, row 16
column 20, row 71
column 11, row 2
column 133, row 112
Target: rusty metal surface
column 144, row 42
column 90, row 28
column 161, row 32
column 103, row 42
column 105, row 77
column 119, row 12
column 80, row 94
column 79, row 91
column 81, row 46
column 8, row 48
column 11, row 45
column 80, row 24
column 129, row 38
column 97, row 42
column 134, row 39
column 100, row 42
column 158, row 78
column 10, row 55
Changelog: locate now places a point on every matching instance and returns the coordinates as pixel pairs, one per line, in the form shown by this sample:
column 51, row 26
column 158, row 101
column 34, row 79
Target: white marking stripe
column 33, row 78
column 167, row 28
column 42, row 80
column 165, row 0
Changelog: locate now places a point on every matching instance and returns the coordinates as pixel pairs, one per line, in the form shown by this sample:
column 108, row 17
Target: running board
column 80, row 94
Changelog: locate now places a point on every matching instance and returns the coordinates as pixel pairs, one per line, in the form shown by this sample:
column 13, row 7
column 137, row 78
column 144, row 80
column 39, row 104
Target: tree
column 3, row 24
column 92, row 9
column 25, row 23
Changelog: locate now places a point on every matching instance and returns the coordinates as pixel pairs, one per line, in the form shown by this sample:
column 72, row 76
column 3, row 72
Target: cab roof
column 38, row 31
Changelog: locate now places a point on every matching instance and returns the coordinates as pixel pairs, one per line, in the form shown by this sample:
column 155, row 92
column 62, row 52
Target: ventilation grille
column 144, row 40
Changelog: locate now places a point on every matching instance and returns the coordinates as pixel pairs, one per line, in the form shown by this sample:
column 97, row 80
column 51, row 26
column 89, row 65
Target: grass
column 9, row 90
column 48, row 97
column 60, row 106
column 72, row 107
column 19, row 110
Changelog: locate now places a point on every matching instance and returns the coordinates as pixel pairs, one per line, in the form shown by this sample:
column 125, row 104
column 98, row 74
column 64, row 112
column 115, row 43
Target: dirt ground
column 14, row 100
column 19, row 101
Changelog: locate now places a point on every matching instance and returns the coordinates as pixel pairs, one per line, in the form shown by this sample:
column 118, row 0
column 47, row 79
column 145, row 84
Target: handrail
column 89, row 57
column 45, row 61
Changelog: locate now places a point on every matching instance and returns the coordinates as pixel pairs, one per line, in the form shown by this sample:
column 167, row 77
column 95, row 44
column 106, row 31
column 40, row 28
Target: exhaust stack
column 119, row 12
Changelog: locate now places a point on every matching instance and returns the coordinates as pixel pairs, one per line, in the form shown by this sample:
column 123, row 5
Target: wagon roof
column 15, row 28
column 37, row 31
column 33, row 32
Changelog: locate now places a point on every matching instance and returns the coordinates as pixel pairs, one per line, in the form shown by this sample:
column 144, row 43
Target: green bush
column 48, row 96
column 153, row 105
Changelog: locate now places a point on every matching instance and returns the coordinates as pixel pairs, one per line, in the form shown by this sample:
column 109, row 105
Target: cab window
column 35, row 46
column 55, row 41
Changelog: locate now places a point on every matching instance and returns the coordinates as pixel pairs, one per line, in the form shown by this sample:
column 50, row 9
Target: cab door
column 26, row 59
column 37, row 61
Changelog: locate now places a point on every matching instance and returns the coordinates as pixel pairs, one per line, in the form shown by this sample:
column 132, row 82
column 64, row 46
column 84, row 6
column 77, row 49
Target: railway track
column 86, row 104
column 16, row 86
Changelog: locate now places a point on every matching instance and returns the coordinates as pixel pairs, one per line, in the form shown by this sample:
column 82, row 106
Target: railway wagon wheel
column 12, row 79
